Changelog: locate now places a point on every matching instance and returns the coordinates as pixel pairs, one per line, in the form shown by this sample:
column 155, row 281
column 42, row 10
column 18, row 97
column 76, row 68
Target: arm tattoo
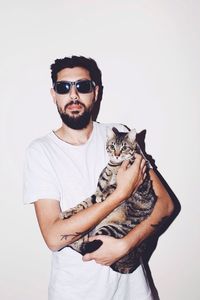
column 72, row 235
column 159, row 224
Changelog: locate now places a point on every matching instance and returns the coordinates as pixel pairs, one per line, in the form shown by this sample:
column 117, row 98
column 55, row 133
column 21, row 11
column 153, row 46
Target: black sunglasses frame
column 77, row 84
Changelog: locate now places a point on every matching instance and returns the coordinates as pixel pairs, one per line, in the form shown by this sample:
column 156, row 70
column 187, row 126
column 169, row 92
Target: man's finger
column 137, row 161
column 138, row 157
column 143, row 163
column 87, row 257
column 125, row 164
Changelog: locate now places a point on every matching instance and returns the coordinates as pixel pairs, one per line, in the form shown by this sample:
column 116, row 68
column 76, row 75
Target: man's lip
column 74, row 106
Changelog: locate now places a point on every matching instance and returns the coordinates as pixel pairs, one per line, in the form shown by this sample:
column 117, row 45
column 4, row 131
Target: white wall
column 149, row 54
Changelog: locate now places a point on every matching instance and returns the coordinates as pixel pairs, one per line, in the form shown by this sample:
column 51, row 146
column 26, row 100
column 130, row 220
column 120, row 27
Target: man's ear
column 53, row 95
column 96, row 92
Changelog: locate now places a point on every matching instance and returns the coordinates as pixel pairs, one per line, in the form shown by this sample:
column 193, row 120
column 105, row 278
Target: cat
column 120, row 146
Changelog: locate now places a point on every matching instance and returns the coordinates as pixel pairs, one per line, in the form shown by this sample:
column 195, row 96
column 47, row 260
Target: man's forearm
column 147, row 227
column 62, row 233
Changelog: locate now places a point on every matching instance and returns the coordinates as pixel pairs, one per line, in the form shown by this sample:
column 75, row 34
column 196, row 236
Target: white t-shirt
column 55, row 169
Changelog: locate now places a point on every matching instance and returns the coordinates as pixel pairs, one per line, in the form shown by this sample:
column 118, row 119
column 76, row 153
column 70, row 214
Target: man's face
column 75, row 108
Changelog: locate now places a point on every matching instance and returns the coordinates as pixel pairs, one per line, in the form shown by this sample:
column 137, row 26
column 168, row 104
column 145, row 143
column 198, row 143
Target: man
column 62, row 169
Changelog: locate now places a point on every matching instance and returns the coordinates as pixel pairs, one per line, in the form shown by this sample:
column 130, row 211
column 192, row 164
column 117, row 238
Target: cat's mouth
column 117, row 160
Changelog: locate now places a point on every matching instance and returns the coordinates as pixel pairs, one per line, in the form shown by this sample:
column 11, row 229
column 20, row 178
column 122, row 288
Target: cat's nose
column 117, row 154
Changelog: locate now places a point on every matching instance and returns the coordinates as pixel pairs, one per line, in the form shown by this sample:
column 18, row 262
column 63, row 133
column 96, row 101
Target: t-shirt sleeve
column 40, row 180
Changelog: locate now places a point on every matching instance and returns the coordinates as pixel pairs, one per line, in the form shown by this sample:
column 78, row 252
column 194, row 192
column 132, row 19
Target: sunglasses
column 82, row 86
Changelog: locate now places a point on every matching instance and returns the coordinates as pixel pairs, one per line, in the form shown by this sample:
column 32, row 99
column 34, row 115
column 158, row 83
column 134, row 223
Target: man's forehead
column 73, row 74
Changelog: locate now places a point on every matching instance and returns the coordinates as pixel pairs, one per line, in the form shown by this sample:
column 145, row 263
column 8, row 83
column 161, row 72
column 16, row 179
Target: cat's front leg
column 104, row 179
column 101, row 196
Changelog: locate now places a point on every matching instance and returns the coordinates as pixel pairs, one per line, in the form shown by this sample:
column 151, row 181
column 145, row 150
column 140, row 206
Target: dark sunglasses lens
column 62, row 87
column 84, row 86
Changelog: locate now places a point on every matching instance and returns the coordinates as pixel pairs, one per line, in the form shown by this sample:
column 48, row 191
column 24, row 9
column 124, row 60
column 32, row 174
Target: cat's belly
column 117, row 216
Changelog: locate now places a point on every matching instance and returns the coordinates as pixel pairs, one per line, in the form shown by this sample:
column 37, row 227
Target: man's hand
column 109, row 252
column 129, row 177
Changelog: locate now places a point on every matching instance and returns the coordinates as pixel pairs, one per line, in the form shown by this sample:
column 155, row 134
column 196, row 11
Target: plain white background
column 148, row 52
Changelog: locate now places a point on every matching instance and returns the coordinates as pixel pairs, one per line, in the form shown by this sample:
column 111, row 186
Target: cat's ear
column 115, row 130
column 110, row 134
column 132, row 135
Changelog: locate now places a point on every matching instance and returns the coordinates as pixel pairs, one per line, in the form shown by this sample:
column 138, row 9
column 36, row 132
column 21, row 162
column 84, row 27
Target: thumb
column 87, row 257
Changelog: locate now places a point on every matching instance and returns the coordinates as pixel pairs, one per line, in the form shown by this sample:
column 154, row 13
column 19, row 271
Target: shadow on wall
column 153, row 240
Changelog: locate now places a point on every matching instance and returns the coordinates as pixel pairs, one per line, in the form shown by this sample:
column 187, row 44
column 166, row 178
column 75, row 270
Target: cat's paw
column 66, row 214
column 89, row 247
column 100, row 198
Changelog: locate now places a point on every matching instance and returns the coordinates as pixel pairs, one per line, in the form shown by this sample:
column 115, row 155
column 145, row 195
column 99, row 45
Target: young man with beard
column 62, row 169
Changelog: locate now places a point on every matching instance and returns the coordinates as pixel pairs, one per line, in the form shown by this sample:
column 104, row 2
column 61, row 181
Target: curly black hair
column 77, row 61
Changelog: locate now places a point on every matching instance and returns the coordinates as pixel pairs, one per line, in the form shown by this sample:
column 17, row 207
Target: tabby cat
column 120, row 146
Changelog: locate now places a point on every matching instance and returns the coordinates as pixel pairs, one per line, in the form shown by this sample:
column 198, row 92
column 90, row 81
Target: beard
column 76, row 121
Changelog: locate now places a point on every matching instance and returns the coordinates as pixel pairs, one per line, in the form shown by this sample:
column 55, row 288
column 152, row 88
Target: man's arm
column 59, row 233
column 113, row 249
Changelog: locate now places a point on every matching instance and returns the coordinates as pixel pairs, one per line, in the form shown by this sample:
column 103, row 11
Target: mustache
column 76, row 102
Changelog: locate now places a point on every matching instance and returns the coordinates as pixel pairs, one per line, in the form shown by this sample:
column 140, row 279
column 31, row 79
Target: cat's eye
column 124, row 148
column 112, row 147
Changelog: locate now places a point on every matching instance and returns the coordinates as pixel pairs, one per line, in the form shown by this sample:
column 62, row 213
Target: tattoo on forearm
column 159, row 224
column 70, row 235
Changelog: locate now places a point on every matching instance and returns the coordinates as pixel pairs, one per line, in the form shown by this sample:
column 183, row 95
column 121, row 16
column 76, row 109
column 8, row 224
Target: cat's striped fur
column 120, row 146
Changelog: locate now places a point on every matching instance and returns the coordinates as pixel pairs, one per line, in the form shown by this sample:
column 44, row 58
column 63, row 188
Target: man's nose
column 73, row 93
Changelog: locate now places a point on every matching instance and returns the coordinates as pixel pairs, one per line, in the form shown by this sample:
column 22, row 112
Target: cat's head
column 120, row 145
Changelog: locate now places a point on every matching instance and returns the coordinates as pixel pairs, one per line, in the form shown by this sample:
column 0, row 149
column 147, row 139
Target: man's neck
column 74, row 136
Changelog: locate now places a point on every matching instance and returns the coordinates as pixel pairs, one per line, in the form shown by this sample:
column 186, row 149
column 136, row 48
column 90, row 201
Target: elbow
column 170, row 207
column 53, row 244
column 53, row 247
column 57, row 244
column 166, row 206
